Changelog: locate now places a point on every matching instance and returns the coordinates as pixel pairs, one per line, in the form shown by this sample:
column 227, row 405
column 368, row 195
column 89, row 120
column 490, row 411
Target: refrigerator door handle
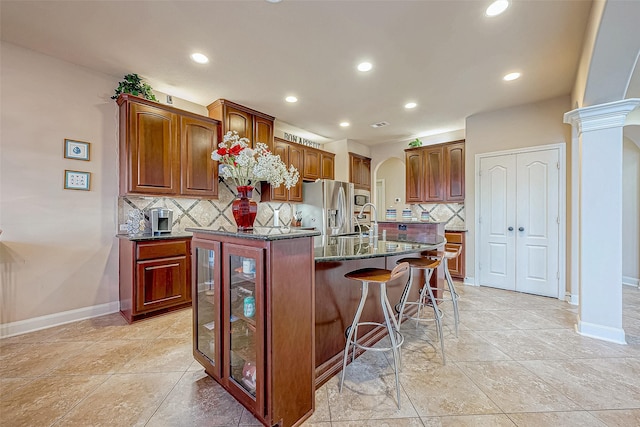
column 342, row 207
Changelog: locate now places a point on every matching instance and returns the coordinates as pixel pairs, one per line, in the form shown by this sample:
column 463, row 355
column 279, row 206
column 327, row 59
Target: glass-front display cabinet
column 206, row 313
column 243, row 321
column 253, row 321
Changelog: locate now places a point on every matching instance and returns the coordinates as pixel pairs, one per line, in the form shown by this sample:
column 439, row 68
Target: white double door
column 519, row 222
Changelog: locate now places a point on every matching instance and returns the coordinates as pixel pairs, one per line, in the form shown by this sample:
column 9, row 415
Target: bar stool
column 426, row 296
column 450, row 252
column 381, row 277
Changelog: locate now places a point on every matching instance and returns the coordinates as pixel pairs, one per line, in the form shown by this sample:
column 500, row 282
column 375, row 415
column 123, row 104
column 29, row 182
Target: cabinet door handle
column 510, row 229
column 521, row 229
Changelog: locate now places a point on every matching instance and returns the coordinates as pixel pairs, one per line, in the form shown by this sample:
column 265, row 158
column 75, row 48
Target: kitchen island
column 253, row 317
column 336, row 298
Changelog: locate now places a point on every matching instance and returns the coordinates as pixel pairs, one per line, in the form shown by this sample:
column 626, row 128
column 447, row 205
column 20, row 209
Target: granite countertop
column 408, row 221
column 163, row 236
column 340, row 248
column 462, row 229
column 259, row 233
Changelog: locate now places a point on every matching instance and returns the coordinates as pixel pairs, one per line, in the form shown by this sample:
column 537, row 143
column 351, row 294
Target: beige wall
column 518, row 127
column 58, row 247
column 341, row 149
column 393, row 173
column 631, row 210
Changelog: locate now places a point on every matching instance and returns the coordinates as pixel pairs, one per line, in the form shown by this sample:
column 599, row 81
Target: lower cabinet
column 155, row 276
column 456, row 266
column 253, row 322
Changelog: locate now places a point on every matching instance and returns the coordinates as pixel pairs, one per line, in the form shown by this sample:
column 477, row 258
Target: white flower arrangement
column 246, row 166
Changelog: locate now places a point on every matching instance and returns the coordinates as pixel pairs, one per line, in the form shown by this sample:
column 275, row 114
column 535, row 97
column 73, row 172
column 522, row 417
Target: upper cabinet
column 165, row 151
column 250, row 124
column 435, row 173
column 360, row 171
column 454, row 172
column 291, row 154
column 318, row 164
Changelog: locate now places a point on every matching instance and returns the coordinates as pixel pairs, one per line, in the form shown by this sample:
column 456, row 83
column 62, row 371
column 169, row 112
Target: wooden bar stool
column 381, row 277
column 449, row 252
column 426, row 296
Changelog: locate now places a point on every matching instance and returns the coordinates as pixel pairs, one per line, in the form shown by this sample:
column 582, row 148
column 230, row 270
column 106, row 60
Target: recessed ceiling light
column 274, row 1
column 344, row 124
column 497, row 7
column 511, row 76
column 291, row 99
column 199, row 58
column 410, row 105
column 365, row 66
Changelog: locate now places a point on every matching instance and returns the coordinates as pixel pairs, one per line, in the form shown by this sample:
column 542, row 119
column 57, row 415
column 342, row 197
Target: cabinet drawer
column 161, row 249
column 453, row 237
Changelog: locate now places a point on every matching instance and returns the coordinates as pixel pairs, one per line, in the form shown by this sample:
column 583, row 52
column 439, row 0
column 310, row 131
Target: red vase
column 244, row 209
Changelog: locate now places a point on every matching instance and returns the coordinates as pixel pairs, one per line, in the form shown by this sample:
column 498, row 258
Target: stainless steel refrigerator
column 328, row 206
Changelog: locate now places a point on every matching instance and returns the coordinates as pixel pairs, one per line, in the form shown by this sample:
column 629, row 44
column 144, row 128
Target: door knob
column 510, row 229
column 521, row 229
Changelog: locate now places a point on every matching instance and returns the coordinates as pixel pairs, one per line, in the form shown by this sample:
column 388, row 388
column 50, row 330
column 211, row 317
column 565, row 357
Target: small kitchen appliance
column 161, row 220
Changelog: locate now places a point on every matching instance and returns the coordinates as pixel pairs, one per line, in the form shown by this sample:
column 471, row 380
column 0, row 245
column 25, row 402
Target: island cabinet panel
column 165, row 151
column 435, row 173
column 250, row 124
column 199, row 171
column 155, row 276
column 327, row 165
column 253, row 322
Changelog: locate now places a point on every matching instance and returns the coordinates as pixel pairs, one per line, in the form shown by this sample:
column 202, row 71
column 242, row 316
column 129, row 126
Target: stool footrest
column 354, row 341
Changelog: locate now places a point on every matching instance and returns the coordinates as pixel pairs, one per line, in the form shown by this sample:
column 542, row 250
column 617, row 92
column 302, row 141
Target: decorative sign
column 303, row 141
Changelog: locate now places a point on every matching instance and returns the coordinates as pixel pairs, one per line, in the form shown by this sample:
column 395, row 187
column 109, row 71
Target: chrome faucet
column 373, row 230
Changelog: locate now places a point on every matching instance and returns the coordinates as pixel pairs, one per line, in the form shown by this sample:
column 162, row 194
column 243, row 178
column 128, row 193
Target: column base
column 601, row 332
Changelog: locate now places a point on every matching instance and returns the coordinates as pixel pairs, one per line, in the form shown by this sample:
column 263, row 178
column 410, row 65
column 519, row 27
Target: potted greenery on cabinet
column 134, row 85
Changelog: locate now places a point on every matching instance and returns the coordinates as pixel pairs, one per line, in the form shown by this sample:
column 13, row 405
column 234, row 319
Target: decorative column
column 599, row 215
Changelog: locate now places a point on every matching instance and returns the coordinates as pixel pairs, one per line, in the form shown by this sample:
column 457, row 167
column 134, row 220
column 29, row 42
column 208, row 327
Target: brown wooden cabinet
column 165, row 151
column 318, row 164
column 454, row 172
column 360, row 171
column 155, row 276
column 312, row 166
column 199, row 138
column 291, row 154
column 327, row 165
column 253, row 322
column 435, row 173
column 456, row 266
column 250, row 124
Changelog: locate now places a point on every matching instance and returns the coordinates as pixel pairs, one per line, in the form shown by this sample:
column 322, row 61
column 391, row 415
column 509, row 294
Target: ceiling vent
column 379, row 124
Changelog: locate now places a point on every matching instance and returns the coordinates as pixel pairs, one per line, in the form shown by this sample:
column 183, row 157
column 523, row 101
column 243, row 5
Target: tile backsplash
column 451, row 213
column 203, row 212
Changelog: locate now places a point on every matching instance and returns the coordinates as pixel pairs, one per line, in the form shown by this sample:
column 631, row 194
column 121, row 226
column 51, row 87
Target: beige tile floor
column 517, row 361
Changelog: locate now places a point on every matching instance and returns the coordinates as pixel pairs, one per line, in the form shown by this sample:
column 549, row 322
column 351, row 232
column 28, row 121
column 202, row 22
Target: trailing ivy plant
column 134, row 85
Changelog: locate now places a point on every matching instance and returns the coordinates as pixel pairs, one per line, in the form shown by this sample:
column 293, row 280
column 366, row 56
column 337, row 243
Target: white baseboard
column 56, row 319
column 601, row 332
column 631, row 281
column 468, row 280
column 572, row 299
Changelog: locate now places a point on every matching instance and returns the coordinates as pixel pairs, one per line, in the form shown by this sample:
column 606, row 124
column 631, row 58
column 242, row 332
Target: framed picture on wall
column 76, row 180
column 77, row 150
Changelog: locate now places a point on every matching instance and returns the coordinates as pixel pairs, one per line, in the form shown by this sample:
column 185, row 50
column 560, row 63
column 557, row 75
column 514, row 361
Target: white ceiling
column 445, row 55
